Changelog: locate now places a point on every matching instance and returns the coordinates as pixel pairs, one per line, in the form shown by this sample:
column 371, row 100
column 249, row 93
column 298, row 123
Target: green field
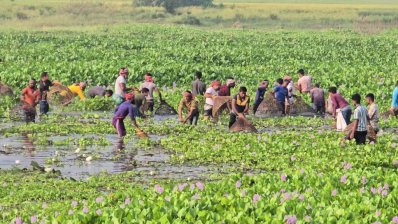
column 296, row 169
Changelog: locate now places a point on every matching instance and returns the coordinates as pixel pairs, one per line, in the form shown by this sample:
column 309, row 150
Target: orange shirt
column 31, row 96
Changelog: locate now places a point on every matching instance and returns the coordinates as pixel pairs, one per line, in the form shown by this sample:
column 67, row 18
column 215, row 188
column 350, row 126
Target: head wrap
column 187, row 94
column 129, row 96
column 215, row 83
column 286, row 77
column 123, row 71
column 148, row 78
column 230, row 82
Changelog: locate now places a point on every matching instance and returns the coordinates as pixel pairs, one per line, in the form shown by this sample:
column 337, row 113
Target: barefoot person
column 44, row 87
column 121, row 112
column 30, row 97
column 192, row 108
column 240, row 106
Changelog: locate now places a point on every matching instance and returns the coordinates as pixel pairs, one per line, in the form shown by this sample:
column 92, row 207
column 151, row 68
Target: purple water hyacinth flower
column 302, row 171
column 238, row 184
column 99, row 199
column 18, row 220
column 384, row 193
column 347, row 166
column 362, row 190
column 343, row 179
column 74, row 203
column 192, row 187
column 33, row 219
column 363, row 180
column 307, row 218
column 182, row 186
column 386, row 186
column 256, row 198
column 334, row 192
column 167, row 198
column 292, row 158
column 70, row 212
column 377, row 222
column 378, row 213
column 380, row 189
column 200, row 186
column 286, row 196
column 395, row 220
column 127, row 201
column 159, row 189
column 99, row 212
column 373, row 190
column 196, row 196
column 283, row 177
column 283, row 190
column 85, row 210
column 43, row 222
column 290, row 219
column 302, row 197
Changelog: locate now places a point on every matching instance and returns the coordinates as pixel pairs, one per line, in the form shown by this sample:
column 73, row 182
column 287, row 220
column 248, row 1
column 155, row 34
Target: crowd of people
column 135, row 102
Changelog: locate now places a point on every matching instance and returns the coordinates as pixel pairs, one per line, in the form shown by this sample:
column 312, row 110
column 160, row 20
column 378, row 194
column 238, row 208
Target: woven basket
column 59, row 94
column 242, row 125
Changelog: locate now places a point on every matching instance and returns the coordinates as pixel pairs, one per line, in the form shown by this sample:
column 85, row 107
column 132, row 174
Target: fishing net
column 59, row 94
column 300, row 107
column 140, row 133
column 165, row 109
column 389, row 114
column 242, row 125
column 371, row 132
column 220, row 103
column 268, row 107
column 17, row 113
column 5, row 90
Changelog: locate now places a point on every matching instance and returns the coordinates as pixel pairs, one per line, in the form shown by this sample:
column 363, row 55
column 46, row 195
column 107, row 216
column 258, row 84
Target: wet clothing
column 394, row 103
column 318, row 99
column 121, row 112
column 198, row 87
column 373, row 112
column 44, row 107
column 77, row 91
column 31, row 97
column 259, row 97
column 44, row 86
column 96, row 91
column 360, row 137
column 304, row 83
column 193, row 106
column 240, row 105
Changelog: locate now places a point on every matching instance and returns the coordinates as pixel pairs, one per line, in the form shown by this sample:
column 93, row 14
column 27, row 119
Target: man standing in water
column 44, row 87
column 359, row 130
column 121, row 112
column 30, row 96
column 304, row 82
column 192, row 108
column 198, row 87
column 394, row 103
column 120, row 86
column 151, row 86
column 240, row 106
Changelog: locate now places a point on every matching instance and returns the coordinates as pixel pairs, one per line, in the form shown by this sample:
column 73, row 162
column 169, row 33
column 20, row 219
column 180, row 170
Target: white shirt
column 118, row 89
column 213, row 92
column 151, row 87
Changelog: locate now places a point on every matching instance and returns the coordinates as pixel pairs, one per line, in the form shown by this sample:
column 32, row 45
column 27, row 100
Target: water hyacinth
column 238, row 184
column 33, row 219
column 378, row 213
column 200, row 186
column 292, row 158
column 70, row 212
column 182, row 186
column 362, row 190
column 395, row 220
column 290, row 219
column 18, row 220
column 302, row 197
column 44, row 206
column 363, row 180
column 395, row 162
column 196, row 196
column 343, row 179
column 167, row 198
column 334, row 192
column 192, row 187
column 243, row 193
column 85, row 209
column 307, row 218
column 99, row 200
column 283, row 177
column 74, row 203
column 127, row 201
column 98, row 212
column 256, row 198
column 159, row 189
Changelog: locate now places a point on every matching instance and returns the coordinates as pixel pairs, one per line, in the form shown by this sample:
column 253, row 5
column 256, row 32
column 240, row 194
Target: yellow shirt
column 77, row 91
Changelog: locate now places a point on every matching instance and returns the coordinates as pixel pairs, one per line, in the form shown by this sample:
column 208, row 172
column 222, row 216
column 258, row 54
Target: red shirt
column 224, row 91
column 31, row 96
column 338, row 102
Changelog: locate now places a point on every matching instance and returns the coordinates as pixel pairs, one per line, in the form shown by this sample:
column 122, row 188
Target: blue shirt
column 394, row 103
column 124, row 109
column 280, row 93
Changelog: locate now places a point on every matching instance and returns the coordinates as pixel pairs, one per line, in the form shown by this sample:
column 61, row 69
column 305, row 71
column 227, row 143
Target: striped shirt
column 360, row 114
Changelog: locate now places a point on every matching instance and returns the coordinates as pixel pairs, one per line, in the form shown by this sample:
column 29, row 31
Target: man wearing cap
column 151, row 86
column 304, row 82
column 120, row 86
column 121, row 112
column 210, row 93
column 188, row 102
